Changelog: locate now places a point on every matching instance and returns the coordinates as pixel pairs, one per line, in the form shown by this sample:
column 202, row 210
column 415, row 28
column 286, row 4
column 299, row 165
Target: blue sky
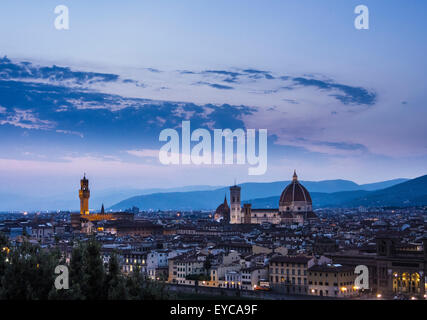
column 338, row 102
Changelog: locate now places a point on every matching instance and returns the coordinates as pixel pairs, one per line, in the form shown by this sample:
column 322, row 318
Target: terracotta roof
column 223, row 208
column 291, row 259
column 331, row 268
column 294, row 192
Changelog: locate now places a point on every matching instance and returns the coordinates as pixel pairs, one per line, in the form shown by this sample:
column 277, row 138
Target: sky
column 338, row 103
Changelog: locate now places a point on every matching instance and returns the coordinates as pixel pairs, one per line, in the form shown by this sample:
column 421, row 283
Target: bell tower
column 235, row 207
column 84, row 194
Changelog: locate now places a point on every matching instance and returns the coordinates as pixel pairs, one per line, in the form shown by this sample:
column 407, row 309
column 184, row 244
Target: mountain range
column 329, row 193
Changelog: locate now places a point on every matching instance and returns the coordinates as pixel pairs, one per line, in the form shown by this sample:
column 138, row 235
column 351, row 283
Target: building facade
column 393, row 269
column 331, row 280
column 295, row 206
column 289, row 274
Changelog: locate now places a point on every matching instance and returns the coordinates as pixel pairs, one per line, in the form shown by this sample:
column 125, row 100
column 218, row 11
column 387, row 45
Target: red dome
column 223, row 211
column 295, row 192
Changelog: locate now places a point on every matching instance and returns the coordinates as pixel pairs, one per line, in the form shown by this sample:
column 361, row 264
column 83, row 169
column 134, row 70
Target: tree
column 29, row 273
column 208, row 263
column 115, row 283
column 134, row 284
column 93, row 280
column 4, row 252
column 76, row 277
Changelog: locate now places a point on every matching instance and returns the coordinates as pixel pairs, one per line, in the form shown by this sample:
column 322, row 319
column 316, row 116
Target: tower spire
column 295, row 177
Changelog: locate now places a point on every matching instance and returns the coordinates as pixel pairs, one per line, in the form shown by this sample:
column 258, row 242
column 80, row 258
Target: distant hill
column 320, row 200
column 324, row 193
column 381, row 185
column 330, row 193
column 409, row 193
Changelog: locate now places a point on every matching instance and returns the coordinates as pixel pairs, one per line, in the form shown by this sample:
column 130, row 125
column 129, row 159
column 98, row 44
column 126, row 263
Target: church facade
column 295, row 206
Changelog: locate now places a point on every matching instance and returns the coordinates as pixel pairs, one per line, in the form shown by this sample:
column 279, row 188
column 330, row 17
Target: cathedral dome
column 223, row 211
column 295, row 193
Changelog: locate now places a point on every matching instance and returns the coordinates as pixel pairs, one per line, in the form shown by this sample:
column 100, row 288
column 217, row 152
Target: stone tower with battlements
column 84, row 194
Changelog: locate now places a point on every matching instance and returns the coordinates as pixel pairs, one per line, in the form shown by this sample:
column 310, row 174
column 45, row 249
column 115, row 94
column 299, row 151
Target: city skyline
column 212, row 155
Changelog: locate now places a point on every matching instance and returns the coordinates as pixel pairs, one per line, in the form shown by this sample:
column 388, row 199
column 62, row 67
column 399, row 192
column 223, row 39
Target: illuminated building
column 87, row 221
column 289, row 274
column 295, row 206
column 331, row 280
column 184, row 266
column 84, row 195
column 394, row 269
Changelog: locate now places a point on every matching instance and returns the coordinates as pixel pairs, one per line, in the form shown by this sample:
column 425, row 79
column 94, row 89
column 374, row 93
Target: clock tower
column 84, row 194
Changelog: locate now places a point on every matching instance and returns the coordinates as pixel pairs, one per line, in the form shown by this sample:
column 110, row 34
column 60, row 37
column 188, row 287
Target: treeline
column 27, row 272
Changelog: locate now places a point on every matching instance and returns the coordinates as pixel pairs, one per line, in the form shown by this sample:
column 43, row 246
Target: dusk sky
column 338, row 103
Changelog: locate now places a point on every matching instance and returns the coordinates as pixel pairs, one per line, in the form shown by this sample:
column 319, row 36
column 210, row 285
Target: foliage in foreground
column 27, row 272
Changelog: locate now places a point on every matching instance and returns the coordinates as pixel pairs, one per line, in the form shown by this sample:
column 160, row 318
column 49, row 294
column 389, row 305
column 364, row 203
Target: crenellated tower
column 84, row 194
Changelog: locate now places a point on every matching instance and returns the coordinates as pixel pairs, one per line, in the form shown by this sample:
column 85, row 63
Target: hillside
column 410, row 193
column 324, row 193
